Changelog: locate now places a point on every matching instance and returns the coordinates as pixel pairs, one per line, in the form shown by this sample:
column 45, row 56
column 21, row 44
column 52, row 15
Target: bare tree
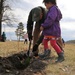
column 1, row 15
column 6, row 16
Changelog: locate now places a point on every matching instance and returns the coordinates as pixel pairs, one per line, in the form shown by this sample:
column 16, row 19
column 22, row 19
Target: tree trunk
column 0, row 28
column 1, row 14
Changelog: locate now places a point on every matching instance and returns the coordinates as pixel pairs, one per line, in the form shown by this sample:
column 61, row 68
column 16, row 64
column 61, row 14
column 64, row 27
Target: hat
column 36, row 14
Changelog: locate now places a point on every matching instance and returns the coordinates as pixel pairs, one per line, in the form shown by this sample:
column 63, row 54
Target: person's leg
column 47, row 51
column 60, row 43
column 35, row 38
column 58, row 50
column 26, row 41
column 55, row 46
column 36, row 33
column 45, row 42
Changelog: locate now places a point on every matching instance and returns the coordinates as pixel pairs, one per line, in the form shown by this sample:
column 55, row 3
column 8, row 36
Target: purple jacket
column 51, row 24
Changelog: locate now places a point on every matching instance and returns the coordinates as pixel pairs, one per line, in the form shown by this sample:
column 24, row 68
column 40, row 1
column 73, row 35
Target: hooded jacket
column 51, row 24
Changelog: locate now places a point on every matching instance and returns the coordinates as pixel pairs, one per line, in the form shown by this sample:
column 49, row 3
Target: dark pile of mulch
column 15, row 65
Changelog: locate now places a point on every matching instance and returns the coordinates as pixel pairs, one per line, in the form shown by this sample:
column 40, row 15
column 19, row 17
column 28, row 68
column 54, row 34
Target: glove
column 29, row 36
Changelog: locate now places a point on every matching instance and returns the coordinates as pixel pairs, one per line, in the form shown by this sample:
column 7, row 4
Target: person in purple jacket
column 51, row 28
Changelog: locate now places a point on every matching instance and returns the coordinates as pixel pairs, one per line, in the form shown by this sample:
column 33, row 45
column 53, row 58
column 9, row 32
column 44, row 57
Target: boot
column 60, row 57
column 46, row 53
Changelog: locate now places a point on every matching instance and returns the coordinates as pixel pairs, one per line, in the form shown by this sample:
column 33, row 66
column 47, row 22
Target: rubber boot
column 46, row 53
column 60, row 57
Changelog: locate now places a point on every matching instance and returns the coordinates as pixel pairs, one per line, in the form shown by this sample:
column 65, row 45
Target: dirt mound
column 15, row 65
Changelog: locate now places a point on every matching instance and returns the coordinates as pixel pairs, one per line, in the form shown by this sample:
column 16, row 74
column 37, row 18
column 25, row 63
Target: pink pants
column 53, row 44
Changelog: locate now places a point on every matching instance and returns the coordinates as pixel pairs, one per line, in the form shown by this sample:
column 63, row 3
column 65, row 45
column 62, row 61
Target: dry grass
column 10, row 47
column 65, row 68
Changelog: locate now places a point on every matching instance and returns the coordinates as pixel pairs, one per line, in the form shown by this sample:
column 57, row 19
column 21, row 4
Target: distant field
column 65, row 68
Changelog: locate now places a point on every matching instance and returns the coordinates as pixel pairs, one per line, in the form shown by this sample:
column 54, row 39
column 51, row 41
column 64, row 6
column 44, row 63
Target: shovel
column 21, row 61
column 28, row 52
column 28, row 58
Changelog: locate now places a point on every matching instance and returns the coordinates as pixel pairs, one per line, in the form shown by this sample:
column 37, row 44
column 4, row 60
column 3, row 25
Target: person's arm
column 50, row 18
column 39, row 41
column 30, row 25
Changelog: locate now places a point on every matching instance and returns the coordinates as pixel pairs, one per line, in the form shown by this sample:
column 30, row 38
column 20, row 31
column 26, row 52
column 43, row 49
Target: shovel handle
column 29, row 44
column 29, row 48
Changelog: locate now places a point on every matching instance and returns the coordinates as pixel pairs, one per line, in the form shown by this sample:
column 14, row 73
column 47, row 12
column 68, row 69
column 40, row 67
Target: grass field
column 67, row 67
column 10, row 47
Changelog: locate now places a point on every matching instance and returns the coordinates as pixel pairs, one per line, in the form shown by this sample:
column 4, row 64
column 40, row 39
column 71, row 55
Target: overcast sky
column 22, row 8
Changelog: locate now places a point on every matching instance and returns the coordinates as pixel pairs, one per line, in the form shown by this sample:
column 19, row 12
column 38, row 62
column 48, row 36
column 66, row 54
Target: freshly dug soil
column 16, row 65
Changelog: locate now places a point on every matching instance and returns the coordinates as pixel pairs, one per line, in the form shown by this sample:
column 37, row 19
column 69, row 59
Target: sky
column 21, row 9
